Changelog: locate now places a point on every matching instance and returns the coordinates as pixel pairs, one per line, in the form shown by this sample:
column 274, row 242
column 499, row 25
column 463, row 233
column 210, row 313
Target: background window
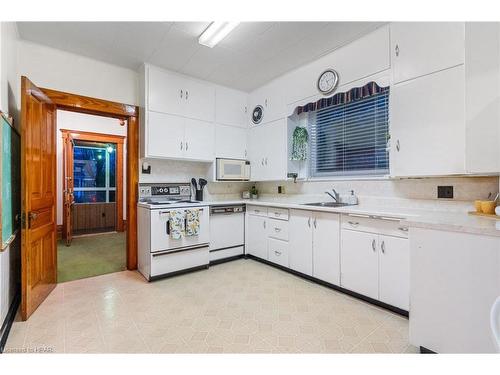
column 350, row 139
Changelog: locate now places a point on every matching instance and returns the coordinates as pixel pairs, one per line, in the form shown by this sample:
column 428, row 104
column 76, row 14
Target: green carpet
column 91, row 256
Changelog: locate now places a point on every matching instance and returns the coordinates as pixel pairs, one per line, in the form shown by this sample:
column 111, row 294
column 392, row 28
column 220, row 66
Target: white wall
column 96, row 124
column 9, row 95
column 55, row 69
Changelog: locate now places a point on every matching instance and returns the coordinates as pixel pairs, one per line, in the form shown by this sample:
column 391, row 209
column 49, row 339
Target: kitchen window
column 94, row 173
column 349, row 136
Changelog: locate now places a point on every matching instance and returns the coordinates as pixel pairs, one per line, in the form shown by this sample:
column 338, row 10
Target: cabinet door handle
column 315, row 223
column 181, row 145
column 382, row 247
column 396, row 49
column 354, row 223
column 265, row 160
column 266, row 102
column 276, row 229
column 309, row 222
column 245, row 153
column 262, row 161
column 187, row 146
column 264, row 224
column 187, row 94
column 398, row 146
column 277, row 252
column 373, row 245
column 181, row 94
column 403, row 229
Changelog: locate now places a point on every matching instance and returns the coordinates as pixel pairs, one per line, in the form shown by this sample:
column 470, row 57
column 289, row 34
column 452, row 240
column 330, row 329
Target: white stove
column 161, row 254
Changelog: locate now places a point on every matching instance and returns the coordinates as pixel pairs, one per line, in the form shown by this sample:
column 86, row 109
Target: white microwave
column 232, row 170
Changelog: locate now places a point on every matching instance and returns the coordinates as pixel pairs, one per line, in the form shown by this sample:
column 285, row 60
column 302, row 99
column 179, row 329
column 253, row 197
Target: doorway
column 91, row 176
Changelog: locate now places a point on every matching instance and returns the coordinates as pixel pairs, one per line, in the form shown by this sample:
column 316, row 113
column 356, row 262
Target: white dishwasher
column 227, row 232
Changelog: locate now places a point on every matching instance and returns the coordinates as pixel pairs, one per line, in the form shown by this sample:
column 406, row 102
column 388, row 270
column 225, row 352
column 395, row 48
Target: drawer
column 387, row 226
column 278, row 213
column 257, row 210
column 278, row 252
column 165, row 263
column 277, row 229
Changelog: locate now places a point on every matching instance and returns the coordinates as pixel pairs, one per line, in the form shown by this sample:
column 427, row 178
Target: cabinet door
column 200, row 100
column 165, row 136
column 199, row 140
column 166, row 92
column 275, row 153
column 230, row 107
column 257, row 148
column 394, row 271
column 359, row 263
column 420, row 48
column 230, row 142
column 256, row 236
column 326, row 247
column 428, row 125
column 300, row 252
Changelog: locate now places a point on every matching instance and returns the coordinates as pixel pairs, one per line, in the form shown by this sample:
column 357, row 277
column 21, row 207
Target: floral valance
column 356, row 93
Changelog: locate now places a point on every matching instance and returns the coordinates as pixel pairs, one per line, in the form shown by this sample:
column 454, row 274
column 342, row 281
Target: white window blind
column 350, row 139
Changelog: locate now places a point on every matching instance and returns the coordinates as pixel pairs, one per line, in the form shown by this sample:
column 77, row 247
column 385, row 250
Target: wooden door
column 359, row 262
column 68, row 192
column 326, row 247
column 38, row 171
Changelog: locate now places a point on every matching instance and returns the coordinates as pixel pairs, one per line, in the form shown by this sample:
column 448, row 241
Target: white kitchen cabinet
column 272, row 99
column 267, row 147
column 231, row 107
column 359, row 263
column 326, row 247
column 278, row 252
column 165, row 136
column 199, row 140
column 394, row 268
column 300, row 250
column 165, row 92
column 256, row 236
column 175, row 94
column 231, row 142
column 428, row 125
column 420, row 48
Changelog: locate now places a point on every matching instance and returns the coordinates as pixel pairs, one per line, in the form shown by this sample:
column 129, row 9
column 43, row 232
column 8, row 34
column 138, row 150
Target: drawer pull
column 354, row 223
column 276, row 229
column 382, row 247
column 277, row 252
column 277, row 214
column 403, row 229
column 373, row 245
column 359, row 215
column 388, row 218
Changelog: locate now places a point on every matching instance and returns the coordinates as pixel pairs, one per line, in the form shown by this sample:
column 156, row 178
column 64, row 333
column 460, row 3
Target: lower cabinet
column 314, row 247
column 256, row 236
column 376, row 265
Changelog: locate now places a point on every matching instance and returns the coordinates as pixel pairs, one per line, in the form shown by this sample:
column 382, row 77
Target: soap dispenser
column 353, row 199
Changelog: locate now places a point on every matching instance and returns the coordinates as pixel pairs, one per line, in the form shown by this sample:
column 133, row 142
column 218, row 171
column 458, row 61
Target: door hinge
column 23, row 220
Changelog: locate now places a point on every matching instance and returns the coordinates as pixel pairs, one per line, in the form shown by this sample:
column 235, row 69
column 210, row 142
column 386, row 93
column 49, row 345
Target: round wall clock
column 257, row 114
column 328, row 81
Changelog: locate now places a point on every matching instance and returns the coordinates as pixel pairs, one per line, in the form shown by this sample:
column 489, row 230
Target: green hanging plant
column 299, row 144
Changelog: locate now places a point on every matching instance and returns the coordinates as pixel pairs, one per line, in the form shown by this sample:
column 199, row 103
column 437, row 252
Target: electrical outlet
column 445, row 192
column 281, row 189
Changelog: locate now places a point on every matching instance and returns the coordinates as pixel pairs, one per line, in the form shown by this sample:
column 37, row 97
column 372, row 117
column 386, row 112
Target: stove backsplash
column 182, row 171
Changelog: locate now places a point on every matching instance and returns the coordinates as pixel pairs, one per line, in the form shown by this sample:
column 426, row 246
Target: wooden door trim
column 105, row 138
column 105, row 108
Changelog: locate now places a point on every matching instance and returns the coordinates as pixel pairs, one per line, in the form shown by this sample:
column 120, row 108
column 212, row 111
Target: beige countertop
column 418, row 218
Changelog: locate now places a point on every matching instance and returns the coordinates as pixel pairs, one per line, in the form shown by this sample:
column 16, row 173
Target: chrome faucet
column 335, row 195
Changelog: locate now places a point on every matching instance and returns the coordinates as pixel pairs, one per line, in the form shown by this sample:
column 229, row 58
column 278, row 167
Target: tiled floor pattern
column 238, row 307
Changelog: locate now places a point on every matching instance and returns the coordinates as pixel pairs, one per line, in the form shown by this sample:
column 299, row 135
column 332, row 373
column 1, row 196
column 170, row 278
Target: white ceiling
column 250, row 56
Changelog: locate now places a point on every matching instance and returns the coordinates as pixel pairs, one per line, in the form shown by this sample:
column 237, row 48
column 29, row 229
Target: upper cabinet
column 272, row 100
column 420, row 48
column 231, row 107
column 178, row 95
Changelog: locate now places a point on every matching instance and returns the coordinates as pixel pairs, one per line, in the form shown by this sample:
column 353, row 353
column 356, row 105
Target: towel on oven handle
column 177, row 224
column 192, row 222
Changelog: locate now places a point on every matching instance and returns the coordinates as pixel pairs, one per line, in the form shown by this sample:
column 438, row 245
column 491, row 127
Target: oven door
column 161, row 239
column 233, row 170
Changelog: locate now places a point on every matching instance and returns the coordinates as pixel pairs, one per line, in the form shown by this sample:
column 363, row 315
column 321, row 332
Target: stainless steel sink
column 327, row 204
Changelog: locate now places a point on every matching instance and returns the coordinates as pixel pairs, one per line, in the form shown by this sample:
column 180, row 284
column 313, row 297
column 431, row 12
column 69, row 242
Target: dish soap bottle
column 352, row 198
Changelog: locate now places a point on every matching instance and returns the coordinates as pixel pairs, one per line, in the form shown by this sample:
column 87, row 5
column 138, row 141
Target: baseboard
column 335, row 287
column 9, row 320
column 225, row 260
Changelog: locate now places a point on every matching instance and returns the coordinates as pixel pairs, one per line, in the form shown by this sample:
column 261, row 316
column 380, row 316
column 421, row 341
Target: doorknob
column 33, row 215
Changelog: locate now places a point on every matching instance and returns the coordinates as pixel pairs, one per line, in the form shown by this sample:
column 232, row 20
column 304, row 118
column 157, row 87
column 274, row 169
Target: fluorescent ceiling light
column 217, row 31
